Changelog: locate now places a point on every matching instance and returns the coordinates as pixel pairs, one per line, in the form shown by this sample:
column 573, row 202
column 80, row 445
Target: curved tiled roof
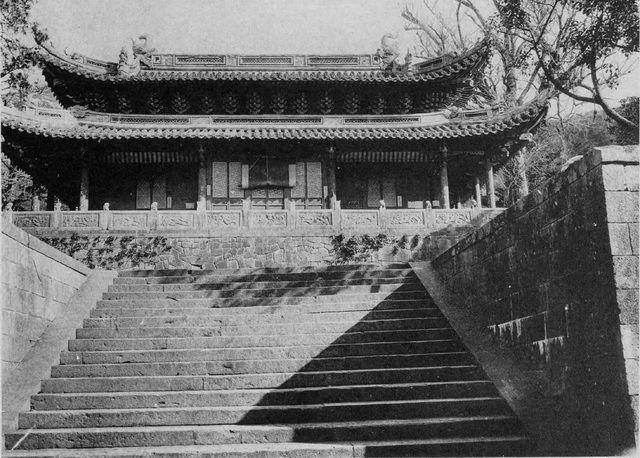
column 348, row 68
column 61, row 123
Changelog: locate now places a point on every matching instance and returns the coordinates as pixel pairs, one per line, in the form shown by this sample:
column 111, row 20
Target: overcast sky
column 99, row 28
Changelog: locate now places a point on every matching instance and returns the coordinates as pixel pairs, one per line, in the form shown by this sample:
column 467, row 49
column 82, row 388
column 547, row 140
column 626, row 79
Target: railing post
column 153, row 217
column 201, row 215
column 337, row 214
column 104, row 219
column 290, row 207
column 8, row 212
column 382, row 215
column 429, row 216
column 56, row 218
column 246, row 210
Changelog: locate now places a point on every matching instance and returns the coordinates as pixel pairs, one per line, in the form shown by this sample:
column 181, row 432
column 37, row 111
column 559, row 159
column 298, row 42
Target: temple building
column 227, row 132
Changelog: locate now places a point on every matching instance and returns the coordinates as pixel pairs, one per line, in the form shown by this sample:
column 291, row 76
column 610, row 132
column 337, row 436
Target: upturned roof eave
column 64, row 125
column 450, row 68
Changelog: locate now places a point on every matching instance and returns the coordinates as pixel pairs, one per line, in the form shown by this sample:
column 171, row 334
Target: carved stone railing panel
column 303, row 221
column 77, row 219
column 455, row 217
column 360, row 218
column 268, row 219
column 176, row 220
column 314, row 218
column 129, row 220
column 402, row 218
column 32, row 219
column 223, row 219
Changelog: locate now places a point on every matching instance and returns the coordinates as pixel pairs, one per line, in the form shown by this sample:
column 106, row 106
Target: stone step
column 270, row 293
column 266, row 270
column 259, row 341
column 280, row 310
column 250, row 381
column 379, row 301
column 266, row 353
column 183, row 320
column 156, row 436
column 260, row 366
column 267, row 329
column 508, row 445
column 261, row 362
column 285, row 414
column 207, row 276
column 248, row 397
column 217, row 284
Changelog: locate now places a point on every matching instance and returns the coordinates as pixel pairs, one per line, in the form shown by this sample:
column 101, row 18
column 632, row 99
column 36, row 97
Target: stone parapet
column 250, row 222
column 555, row 278
column 37, row 281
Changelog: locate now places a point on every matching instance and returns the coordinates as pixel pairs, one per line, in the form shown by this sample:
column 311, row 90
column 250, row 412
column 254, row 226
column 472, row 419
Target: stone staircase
column 338, row 361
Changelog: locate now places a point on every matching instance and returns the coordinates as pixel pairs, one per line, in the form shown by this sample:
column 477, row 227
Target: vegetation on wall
column 111, row 252
column 363, row 248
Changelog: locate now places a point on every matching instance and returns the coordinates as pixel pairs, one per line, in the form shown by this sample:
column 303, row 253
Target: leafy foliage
column 629, row 109
column 576, row 47
column 111, row 252
column 18, row 38
column 363, row 248
column 17, row 186
column 554, row 143
column 358, row 248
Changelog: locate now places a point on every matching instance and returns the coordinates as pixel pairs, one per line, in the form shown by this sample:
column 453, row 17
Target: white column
column 478, row 193
column 84, row 188
column 444, row 182
column 491, row 190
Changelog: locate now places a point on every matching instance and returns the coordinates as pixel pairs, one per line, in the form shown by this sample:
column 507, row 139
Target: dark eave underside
column 60, row 123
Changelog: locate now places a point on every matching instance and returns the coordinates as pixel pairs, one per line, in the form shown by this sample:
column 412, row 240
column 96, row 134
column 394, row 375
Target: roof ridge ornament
column 132, row 58
column 389, row 54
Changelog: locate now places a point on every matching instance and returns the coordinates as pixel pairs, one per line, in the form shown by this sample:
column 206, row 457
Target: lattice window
column 226, row 191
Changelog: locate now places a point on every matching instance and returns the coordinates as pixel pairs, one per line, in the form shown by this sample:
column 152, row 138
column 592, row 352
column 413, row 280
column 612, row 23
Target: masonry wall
column 36, row 283
column 555, row 278
column 245, row 251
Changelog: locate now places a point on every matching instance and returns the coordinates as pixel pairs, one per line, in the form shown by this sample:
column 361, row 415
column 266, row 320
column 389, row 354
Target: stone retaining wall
column 37, row 282
column 555, row 277
column 232, row 252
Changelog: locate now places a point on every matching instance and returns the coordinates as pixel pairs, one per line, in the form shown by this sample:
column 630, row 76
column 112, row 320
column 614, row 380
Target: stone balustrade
column 248, row 221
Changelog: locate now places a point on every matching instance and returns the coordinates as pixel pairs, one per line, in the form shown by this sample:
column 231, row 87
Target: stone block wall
column 555, row 277
column 36, row 283
column 247, row 251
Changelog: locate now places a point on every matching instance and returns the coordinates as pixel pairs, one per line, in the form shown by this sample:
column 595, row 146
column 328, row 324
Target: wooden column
column 51, row 200
column 478, row 194
column 84, row 188
column 331, row 175
column 35, row 198
column 524, row 182
column 444, row 181
column 202, row 182
column 491, row 190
